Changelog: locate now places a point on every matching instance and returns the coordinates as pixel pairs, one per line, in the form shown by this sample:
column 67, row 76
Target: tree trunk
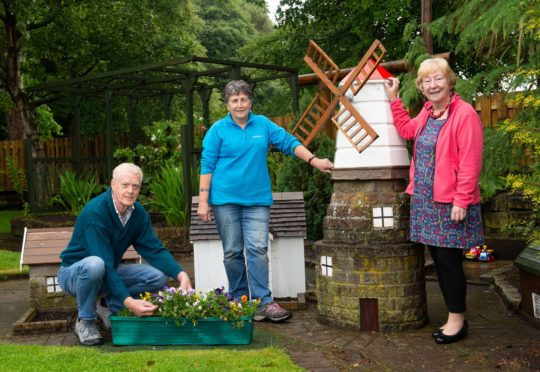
column 14, row 126
column 22, row 113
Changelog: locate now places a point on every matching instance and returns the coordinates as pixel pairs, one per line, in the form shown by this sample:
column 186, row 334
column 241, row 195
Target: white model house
column 285, row 248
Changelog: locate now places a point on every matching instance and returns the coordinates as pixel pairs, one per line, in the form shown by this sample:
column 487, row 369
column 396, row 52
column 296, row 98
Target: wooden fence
column 492, row 109
column 58, row 157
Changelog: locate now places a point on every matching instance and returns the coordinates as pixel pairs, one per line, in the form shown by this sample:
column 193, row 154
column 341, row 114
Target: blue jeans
column 85, row 280
column 245, row 226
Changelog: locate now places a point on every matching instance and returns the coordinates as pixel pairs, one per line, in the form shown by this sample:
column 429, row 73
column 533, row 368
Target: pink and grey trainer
column 272, row 311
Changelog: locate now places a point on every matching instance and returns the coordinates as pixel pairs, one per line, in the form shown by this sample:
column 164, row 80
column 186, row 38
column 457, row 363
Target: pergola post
column 205, row 95
column 235, row 73
column 166, row 100
column 77, row 134
column 294, row 92
column 187, row 144
column 133, row 134
column 108, row 115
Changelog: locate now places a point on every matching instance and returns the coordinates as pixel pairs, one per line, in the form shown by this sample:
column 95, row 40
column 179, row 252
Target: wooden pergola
column 185, row 76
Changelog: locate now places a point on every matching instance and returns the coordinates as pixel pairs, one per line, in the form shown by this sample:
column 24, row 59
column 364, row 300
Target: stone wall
column 175, row 239
column 349, row 214
column 369, row 262
column 394, row 275
column 501, row 210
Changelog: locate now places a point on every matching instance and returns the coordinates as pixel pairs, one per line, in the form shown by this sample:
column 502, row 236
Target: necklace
column 436, row 116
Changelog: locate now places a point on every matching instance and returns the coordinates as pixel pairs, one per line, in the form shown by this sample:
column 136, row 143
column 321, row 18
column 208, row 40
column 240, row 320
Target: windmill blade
column 365, row 68
column 323, row 66
column 313, row 119
column 353, row 126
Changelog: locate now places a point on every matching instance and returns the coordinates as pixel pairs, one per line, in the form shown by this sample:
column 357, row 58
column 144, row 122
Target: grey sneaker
column 87, row 332
column 272, row 311
column 103, row 313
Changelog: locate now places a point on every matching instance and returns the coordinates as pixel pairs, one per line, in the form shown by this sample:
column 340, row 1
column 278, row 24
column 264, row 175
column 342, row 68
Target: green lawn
column 78, row 358
column 9, row 265
column 9, row 260
column 5, row 218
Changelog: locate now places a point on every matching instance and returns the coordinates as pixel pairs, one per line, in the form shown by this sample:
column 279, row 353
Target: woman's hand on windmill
column 391, row 86
column 324, row 165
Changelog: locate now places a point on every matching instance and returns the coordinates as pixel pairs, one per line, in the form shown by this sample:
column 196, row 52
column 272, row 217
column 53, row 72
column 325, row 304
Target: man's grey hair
column 235, row 87
column 126, row 167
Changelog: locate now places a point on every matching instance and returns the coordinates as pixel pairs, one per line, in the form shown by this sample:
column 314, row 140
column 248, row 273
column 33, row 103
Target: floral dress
column 430, row 220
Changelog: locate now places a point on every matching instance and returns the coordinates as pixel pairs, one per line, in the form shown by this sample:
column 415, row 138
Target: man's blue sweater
column 237, row 159
column 99, row 232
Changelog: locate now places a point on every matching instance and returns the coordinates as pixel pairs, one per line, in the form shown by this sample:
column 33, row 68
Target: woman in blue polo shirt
column 235, row 182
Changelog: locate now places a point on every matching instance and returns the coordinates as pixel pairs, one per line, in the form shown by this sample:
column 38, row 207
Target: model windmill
column 348, row 120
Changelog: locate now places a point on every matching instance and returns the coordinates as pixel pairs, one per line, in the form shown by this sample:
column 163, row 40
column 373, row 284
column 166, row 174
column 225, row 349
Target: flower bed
column 187, row 318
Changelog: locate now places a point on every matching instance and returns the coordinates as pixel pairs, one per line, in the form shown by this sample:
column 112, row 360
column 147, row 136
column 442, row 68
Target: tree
column 50, row 40
column 228, row 25
column 344, row 29
column 20, row 18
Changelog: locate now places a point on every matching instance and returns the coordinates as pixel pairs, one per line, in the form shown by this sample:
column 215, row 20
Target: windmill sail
column 348, row 120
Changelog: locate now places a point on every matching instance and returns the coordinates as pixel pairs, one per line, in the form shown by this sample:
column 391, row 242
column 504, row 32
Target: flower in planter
column 191, row 305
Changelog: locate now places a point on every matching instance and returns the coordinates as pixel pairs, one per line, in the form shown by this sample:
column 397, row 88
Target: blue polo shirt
column 237, row 158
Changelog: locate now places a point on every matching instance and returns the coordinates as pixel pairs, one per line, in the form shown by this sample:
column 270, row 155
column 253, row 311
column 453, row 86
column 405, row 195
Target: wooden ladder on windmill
column 348, row 120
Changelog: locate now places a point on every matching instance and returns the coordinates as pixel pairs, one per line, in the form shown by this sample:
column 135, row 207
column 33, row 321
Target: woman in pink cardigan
column 444, row 173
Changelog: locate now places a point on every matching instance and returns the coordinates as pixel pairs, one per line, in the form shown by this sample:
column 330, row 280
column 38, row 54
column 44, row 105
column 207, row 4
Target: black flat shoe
column 437, row 333
column 448, row 339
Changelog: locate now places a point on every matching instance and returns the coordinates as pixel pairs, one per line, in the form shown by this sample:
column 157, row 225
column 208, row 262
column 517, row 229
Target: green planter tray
column 164, row 331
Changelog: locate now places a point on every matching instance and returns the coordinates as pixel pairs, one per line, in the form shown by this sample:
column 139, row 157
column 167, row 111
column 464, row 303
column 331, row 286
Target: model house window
column 52, row 284
column 326, row 266
column 383, row 217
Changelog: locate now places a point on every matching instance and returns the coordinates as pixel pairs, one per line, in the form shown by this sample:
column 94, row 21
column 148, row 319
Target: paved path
column 498, row 339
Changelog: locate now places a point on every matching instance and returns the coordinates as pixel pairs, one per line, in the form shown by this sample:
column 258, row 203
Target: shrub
column 76, row 192
column 296, row 175
column 168, row 196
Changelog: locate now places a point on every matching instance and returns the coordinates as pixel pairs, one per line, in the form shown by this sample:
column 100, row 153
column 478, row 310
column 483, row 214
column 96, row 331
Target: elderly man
column 90, row 267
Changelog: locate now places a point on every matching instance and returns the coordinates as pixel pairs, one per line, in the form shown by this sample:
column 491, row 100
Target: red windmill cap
column 380, row 73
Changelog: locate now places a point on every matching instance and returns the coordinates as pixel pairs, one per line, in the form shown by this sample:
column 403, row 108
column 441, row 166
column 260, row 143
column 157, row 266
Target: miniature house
column 370, row 276
column 41, row 250
column 285, row 248
column 528, row 263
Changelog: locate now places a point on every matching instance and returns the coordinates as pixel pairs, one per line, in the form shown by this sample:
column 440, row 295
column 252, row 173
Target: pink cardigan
column 458, row 153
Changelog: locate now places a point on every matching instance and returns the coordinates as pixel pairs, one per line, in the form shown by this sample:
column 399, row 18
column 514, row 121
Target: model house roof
column 43, row 246
column 287, row 218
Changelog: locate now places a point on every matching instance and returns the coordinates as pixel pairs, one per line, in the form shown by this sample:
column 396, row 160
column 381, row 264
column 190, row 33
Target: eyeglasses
column 428, row 81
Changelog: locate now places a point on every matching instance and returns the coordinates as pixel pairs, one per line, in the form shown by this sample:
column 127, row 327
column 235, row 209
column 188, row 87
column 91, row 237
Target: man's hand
column 184, row 281
column 140, row 307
